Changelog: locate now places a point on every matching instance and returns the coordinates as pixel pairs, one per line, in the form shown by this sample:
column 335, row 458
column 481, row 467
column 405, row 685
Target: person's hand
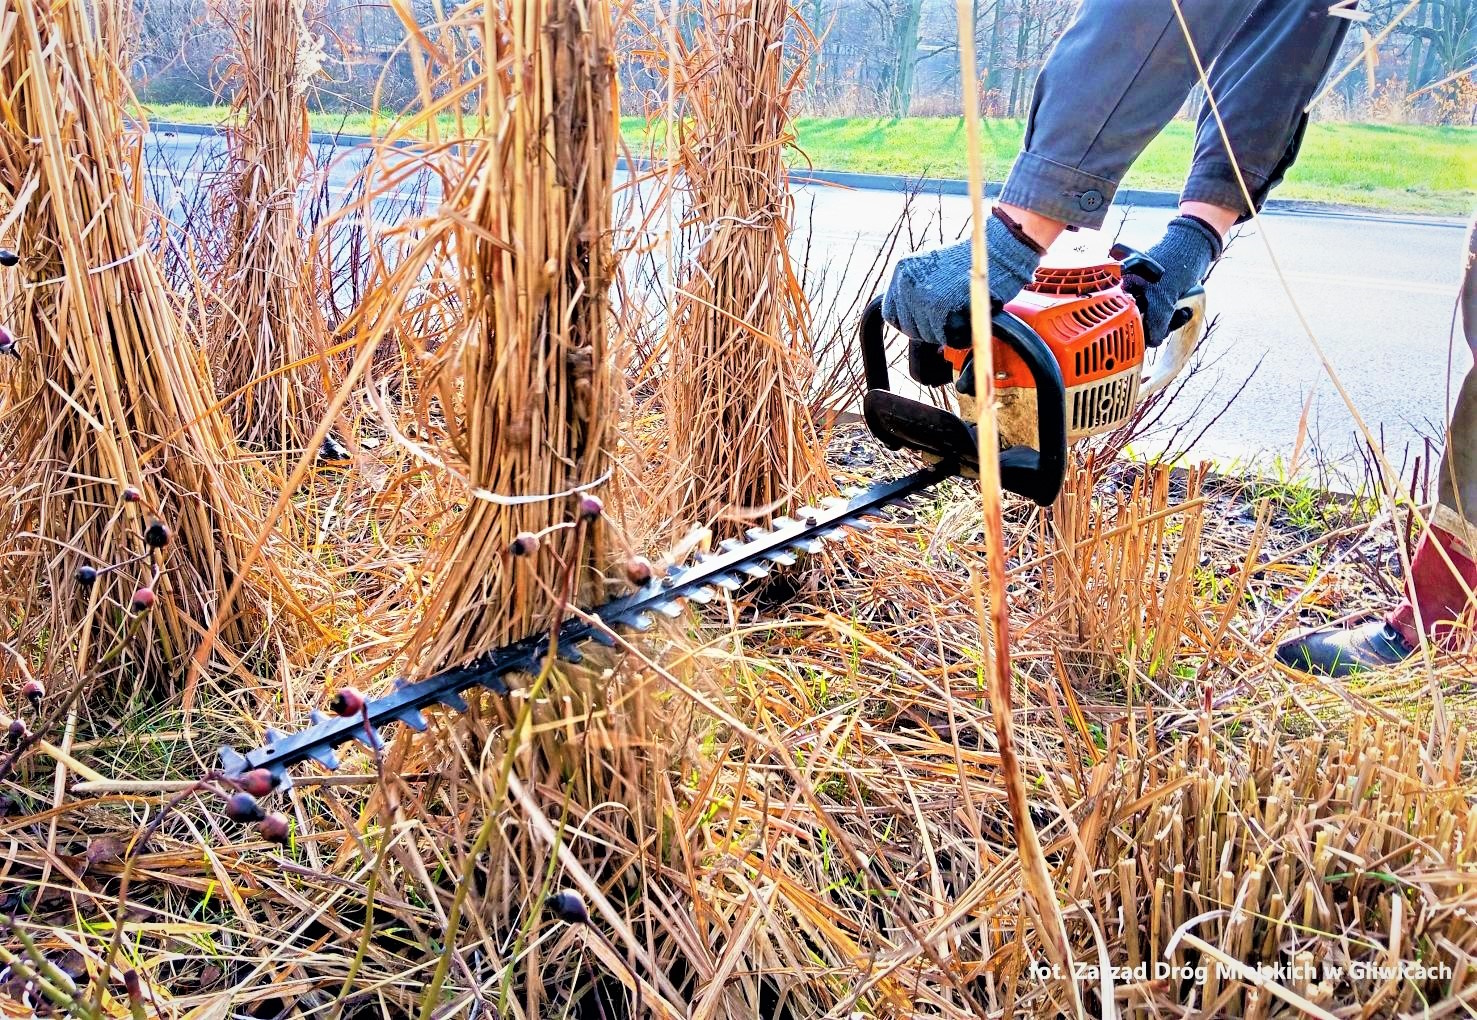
column 928, row 297
column 1186, row 251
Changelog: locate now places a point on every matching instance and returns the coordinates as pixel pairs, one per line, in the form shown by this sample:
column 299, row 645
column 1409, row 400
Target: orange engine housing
column 1097, row 335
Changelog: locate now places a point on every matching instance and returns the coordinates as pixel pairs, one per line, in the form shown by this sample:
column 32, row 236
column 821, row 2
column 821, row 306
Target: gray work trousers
column 1122, row 70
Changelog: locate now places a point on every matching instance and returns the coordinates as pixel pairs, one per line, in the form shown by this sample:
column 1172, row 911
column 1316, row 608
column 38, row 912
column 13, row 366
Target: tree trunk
column 1017, row 79
column 905, row 53
column 1417, row 46
column 992, row 64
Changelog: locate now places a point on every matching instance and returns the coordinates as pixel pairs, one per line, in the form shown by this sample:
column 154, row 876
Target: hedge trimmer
column 1070, row 363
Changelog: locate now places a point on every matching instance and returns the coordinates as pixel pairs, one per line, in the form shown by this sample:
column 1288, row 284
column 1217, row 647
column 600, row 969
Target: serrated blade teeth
column 571, row 653
column 600, row 637
column 317, row 717
column 670, row 609
column 755, row 570
column 638, row 621
column 808, row 546
column 727, row 582
column 324, row 756
column 413, row 718
column 453, row 701
column 275, row 735
column 283, row 777
column 754, row 534
column 702, row 596
column 783, row 522
column 730, row 544
column 370, row 738
column 783, row 558
column 233, row 762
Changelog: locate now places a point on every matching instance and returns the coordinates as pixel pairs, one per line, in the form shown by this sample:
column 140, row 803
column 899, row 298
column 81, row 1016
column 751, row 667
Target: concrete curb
column 950, row 185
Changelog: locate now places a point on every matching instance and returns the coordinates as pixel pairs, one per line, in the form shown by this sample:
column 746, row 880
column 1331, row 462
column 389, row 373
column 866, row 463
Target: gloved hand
column 1186, row 251
column 928, row 298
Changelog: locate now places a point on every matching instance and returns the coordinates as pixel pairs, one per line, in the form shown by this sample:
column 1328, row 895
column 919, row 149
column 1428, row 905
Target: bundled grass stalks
column 110, row 390
column 502, row 298
column 741, row 440
column 269, row 335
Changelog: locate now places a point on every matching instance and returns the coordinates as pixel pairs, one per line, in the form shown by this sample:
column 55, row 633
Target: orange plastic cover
column 1086, row 319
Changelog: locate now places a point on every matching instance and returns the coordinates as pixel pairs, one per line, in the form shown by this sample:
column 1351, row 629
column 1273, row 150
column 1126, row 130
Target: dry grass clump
column 1253, row 874
column 268, row 337
column 111, row 390
column 501, row 302
column 741, row 443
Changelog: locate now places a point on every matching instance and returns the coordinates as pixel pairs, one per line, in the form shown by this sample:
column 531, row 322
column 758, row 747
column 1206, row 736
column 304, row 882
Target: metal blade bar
column 733, row 561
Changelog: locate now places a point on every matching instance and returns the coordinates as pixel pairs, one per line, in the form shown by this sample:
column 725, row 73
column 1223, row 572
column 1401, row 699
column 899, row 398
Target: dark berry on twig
column 33, row 692
column 525, row 543
column 85, row 576
column 8, row 258
column 156, row 535
column 257, row 782
column 8, row 344
column 346, row 701
column 569, row 907
column 638, row 571
column 15, row 732
column 591, row 507
column 132, row 494
column 143, row 600
column 243, row 808
column 275, row 828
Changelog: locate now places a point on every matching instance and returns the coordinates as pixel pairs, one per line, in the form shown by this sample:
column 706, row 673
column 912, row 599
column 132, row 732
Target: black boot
column 1335, row 651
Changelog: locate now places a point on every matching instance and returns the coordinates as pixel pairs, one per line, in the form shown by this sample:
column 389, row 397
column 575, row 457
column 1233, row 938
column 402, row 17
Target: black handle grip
column 1136, row 263
column 1036, row 474
column 874, row 346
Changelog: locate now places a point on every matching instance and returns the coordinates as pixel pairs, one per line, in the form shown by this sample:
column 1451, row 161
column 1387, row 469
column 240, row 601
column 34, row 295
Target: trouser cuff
column 1058, row 192
column 1435, row 588
column 1216, row 184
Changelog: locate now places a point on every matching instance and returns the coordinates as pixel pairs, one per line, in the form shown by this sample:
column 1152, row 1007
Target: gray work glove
column 928, row 298
column 1185, row 252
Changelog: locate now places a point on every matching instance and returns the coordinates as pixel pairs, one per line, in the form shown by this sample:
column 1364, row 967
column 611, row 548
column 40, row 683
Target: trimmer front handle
column 900, row 422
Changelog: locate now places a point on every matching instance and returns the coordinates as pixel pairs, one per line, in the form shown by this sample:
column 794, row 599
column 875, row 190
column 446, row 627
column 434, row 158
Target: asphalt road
column 1377, row 293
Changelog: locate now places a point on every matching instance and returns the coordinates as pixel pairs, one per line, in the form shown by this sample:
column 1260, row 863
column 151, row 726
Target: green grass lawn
column 1405, row 168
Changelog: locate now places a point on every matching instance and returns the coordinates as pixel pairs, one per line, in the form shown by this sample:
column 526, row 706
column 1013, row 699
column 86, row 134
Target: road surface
column 1377, row 293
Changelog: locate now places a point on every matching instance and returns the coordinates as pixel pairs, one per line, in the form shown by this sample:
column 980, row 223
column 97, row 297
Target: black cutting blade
column 781, row 543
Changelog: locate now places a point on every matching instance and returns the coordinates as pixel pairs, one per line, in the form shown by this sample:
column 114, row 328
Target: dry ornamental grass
column 864, row 801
